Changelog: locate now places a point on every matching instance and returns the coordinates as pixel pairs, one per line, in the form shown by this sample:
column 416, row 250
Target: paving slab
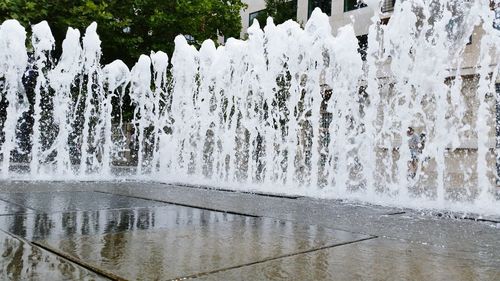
column 417, row 245
column 7, row 208
column 70, row 223
column 248, row 203
column 74, row 201
column 15, row 186
column 167, row 241
column 481, row 238
column 22, row 261
column 191, row 250
column 374, row 259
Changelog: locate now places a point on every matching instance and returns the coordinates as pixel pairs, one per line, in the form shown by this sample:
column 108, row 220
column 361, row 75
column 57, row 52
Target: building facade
column 341, row 12
column 254, row 7
column 359, row 15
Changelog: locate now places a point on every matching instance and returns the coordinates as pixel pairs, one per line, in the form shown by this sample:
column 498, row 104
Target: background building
column 359, row 15
column 251, row 12
column 341, row 12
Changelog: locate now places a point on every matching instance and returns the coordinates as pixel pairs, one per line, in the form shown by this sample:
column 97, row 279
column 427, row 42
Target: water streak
column 290, row 109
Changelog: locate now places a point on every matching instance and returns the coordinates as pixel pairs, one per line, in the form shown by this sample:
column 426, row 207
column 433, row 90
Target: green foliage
column 279, row 10
column 128, row 28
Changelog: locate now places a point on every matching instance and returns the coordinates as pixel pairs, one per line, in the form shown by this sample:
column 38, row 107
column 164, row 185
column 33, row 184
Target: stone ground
column 152, row 231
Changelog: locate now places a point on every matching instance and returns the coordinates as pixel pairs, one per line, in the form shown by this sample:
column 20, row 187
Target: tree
column 279, row 10
column 129, row 28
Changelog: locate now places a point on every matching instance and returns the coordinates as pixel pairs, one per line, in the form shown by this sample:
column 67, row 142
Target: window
column 324, row 5
column 497, row 88
column 190, row 39
column 257, row 15
column 350, row 5
column 388, row 6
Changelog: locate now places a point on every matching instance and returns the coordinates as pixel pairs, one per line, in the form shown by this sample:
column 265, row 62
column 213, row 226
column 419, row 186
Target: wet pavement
column 152, row 231
column 21, row 260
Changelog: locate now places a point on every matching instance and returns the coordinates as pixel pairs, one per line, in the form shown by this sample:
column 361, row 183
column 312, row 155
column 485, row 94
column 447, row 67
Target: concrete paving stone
column 16, row 186
column 22, row 261
column 165, row 254
column 482, row 238
column 74, row 201
column 66, row 224
column 466, row 247
column 375, row 259
column 7, row 208
column 244, row 202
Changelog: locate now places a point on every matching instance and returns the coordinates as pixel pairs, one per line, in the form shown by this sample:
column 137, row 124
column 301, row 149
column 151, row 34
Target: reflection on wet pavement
column 43, row 226
column 202, row 246
column 21, row 261
column 374, row 259
column 148, row 240
column 75, row 200
column 7, row 208
column 114, row 232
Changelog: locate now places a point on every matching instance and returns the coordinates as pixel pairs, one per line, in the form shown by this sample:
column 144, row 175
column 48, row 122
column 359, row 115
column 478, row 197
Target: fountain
column 289, row 110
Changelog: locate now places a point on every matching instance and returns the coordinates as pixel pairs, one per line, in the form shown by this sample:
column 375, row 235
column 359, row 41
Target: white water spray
column 289, row 110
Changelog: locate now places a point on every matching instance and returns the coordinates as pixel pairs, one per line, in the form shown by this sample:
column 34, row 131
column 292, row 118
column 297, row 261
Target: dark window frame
column 254, row 15
column 388, row 6
column 351, row 5
column 497, row 130
column 311, row 6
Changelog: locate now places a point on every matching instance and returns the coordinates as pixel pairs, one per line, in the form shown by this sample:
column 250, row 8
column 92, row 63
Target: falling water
column 289, row 110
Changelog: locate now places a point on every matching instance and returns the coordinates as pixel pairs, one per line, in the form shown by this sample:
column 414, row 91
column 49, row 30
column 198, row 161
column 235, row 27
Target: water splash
column 292, row 110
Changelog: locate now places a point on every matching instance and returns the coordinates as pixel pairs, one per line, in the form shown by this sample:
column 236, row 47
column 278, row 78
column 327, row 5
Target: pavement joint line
column 341, row 229
column 204, row 187
column 486, row 220
column 79, row 262
column 66, row 257
column 41, row 211
column 395, row 213
column 17, row 204
column 18, row 214
column 466, row 217
column 38, row 212
column 238, row 213
column 272, row 259
column 476, row 219
column 321, row 225
column 183, row 205
column 284, row 196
